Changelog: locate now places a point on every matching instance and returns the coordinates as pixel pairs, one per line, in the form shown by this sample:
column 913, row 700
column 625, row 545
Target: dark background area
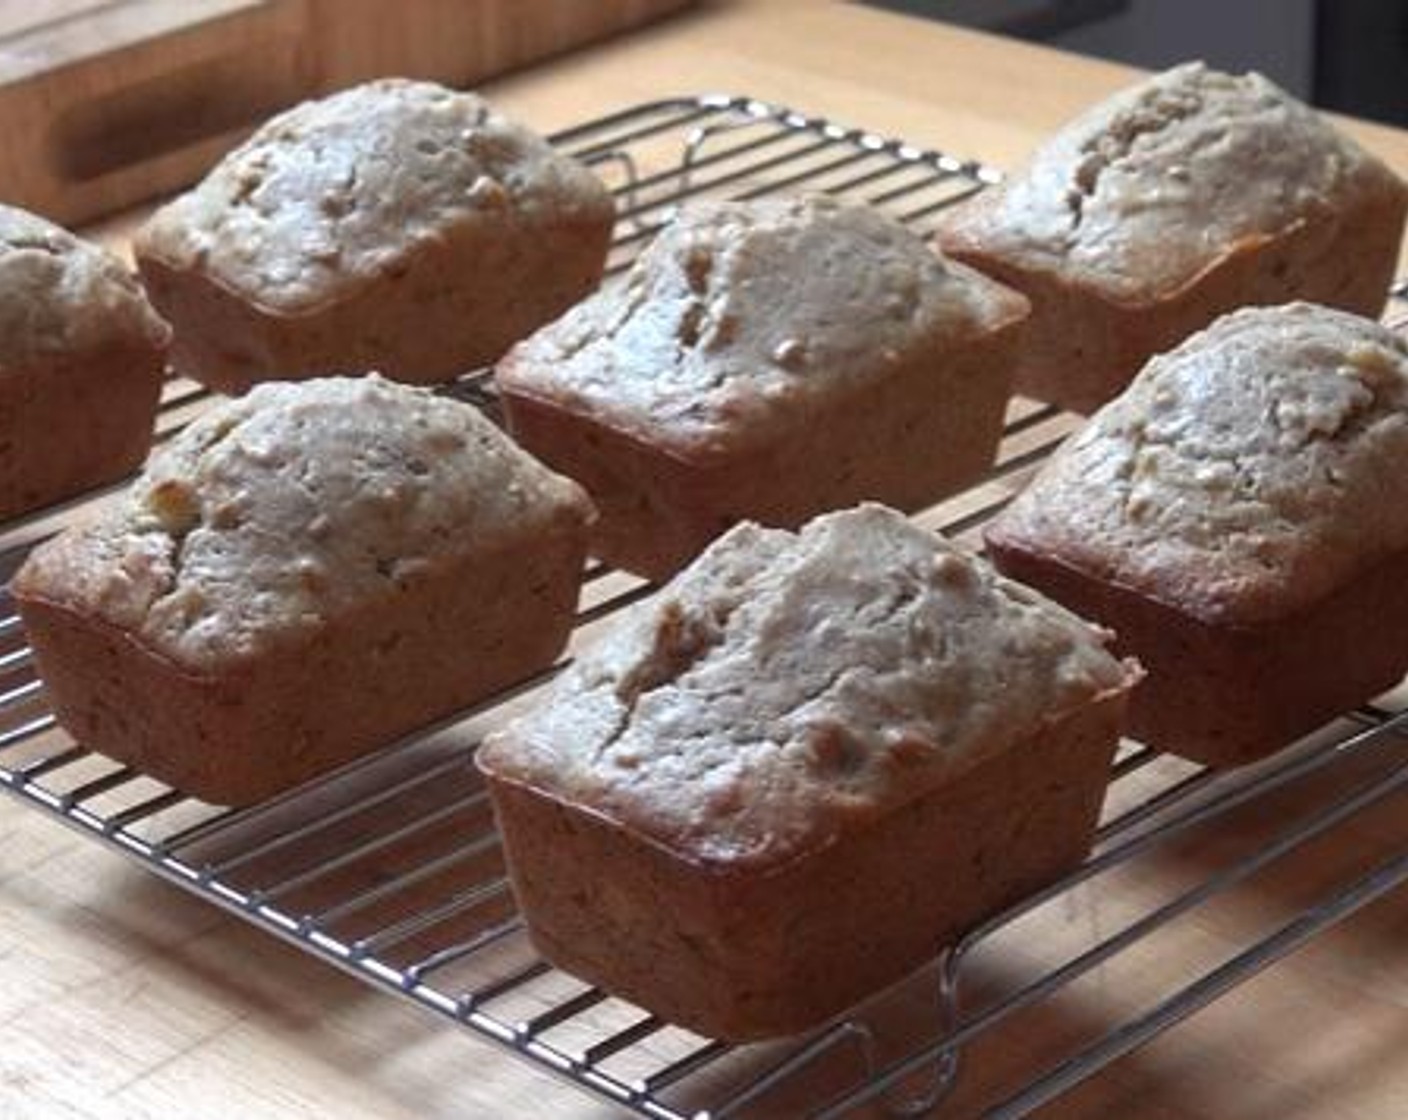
column 1348, row 55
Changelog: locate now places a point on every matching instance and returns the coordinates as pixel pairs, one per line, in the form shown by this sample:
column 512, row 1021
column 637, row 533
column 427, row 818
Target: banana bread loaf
column 767, row 360
column 1187, row 196
column 395, row 226
column 801, row 768
column 1240, row 518
column 80, row 366
column 299, row 577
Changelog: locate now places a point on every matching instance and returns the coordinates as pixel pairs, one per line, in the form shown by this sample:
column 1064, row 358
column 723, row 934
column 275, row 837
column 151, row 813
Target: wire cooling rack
column 391, row 868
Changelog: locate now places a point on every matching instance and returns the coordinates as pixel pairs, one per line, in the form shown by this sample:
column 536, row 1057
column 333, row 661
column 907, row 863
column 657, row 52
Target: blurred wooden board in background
column 105, row 103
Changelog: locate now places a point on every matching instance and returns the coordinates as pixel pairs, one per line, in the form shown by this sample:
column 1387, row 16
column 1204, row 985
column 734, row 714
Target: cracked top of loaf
column 296, row 502
column 1145, row 190
column 788, row 685
column 335, row 193
column 1240, row 477
column 739, row 311
column 63, row 297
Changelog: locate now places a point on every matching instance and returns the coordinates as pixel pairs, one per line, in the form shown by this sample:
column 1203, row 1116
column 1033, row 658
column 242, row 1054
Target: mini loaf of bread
column 299, row 577
column 396, row 226
column 1240, row 518
column 800, row 769
column 767, row 360
column 81, row 365
column 1187, row 196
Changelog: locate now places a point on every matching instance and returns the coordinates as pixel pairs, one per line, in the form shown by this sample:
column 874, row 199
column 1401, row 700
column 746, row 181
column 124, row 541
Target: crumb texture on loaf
column 343, row 189
column 62, row 297
column 272, row 513
column 739, row 311
column 1113, row 191
column 788, row 685
column 1245, row 474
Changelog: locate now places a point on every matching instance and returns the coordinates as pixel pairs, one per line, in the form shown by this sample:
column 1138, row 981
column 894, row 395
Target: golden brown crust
column 76, row 424
column 1237, row 517
column 737, row 373
column 276, row 511
column 429, row 324
column 1226, row 694
column 1241, row 477
column 81, row 365
column 298, row 577
column 905, row 443
column 396, row 226
column 746, row 956
column 1136, row 225
column 805, row 765
column 258, row 725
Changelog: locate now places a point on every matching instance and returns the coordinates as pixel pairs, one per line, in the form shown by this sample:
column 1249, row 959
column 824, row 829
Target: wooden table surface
column 123, row 997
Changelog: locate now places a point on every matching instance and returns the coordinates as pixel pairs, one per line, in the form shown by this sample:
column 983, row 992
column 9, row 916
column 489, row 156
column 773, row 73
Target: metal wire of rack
column 391, row 869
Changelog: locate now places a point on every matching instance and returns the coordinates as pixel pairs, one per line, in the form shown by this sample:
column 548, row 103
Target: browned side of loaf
column 69, row 426
column 1083, row 347
column 739, row 955
column 1227, row 695
column 418, row 322
column 263, row 725
column 928, row 431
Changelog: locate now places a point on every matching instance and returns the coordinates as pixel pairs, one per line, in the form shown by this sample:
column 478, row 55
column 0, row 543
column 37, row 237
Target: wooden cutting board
column 105, row 103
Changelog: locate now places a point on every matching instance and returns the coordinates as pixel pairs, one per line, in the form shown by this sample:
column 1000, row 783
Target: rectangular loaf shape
column 1175, row 201
column 1239, row 517
column 301, row 576
column 810, row 762
column 396, row 226
column 767, row 360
